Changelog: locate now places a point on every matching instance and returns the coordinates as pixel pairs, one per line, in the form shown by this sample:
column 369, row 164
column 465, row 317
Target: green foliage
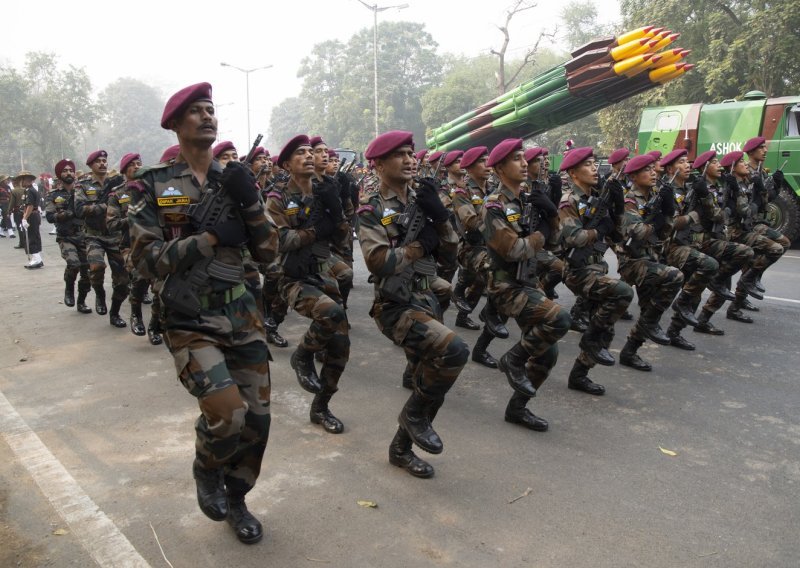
column 580, row 22
column 287, row 120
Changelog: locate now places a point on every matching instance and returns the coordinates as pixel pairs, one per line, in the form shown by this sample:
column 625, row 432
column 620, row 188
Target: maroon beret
column 729, row 159
column 673, row 156
column 126, row 160
column 473, row 155
column 260, row 151
column 451, row 157
column 502, row 150
column 94, row 155
column 223, row 146
column 178, row 102
column 639, row 162
column 434, row 156
column 532, row 153
column 316, row 141
column 703, row 159
column 545, row 151
column 291, row 146
column 170, row 153
column 655, row 153
column 421, row 154
column 753, row 143
column 618, row 155
column 332, row 153
column 63, row 164
column 388, row 142
column 576, row 157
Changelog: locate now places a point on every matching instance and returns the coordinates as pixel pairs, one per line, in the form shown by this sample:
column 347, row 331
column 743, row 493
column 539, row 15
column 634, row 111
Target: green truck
column 725, row 127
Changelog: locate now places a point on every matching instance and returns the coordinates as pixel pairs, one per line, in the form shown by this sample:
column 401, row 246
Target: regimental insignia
column 292, row 208
column 512, row 215
column 642, row 210
column 679, row 198
column 91, row 192
column 124, row 198
column 477, row 199
column 388, row 216
column 59, row 200
column 581, row 208
column 172, row 198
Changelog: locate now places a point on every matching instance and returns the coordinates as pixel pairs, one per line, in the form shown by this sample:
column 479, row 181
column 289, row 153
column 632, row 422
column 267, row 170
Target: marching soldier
column 618, row 159
column 447, row 265
column 513, row 236
column 224, row 152
column 308, row 217
column 60, row 211
column 211, row 325
column 399, row 229
column 586, row 223
column 30, row 219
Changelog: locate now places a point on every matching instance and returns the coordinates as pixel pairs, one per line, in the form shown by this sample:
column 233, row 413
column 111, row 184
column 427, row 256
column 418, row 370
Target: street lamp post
column 247, row 82
column 375, row 9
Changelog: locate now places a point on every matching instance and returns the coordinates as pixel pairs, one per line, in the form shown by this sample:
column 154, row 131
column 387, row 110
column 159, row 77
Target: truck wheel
column 783, row 214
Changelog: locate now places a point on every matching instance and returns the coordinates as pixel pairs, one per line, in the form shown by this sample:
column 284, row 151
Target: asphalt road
column 97, row 443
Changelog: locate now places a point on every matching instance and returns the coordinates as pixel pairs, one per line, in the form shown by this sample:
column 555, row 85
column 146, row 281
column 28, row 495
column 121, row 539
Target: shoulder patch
column 630, row 200
column 459, row 191
column 493, row 204
column 274, row 195
column 136, row 185
column 563, row 205
column 366, row 208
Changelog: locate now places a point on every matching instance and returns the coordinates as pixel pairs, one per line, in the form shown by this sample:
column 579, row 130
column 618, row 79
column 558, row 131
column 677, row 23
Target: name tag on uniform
column 172, row 198
column 91, row 192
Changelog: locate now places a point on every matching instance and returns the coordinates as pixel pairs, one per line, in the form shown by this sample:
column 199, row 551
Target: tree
column 287, row 120
column 44, row 108
column 580, row 21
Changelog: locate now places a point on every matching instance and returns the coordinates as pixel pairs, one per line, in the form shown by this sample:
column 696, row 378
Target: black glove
column 758, row 183
column 701, row 188
column 543, row 204
column 240, row 183
column 555, row 183
column 428, row 238
column 730, row 182
column 778, row 179
column 604, row 227
column 658, row 221
column 229, row 234
column 324, row 227
column 617, row 193
column 327, row 191
column 668, row 202
column 428, row 200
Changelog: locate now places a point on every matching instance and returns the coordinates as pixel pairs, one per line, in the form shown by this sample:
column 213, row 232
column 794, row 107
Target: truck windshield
column 793, row 123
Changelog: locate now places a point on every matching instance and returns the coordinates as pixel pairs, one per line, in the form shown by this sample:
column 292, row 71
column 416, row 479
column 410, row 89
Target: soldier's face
column 397, row 167
column 514, row 168
column 535, row 167
column 455, row 169
column 479, row 171
column 26, row 182
column 132, row 168
column 197, row 125
column 320, row 157
column 740, row 168
column 301, row 162
column 227, row 156
column 258, row 163
column 759, row 154
column 99, row 166
column 682, row 168
column 646, row 177
column 712, row 169
column 333, row 165
column 585, row 173
column 67, row 174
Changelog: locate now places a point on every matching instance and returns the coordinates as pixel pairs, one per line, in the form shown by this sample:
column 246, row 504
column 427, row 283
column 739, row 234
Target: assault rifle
column 597, row 208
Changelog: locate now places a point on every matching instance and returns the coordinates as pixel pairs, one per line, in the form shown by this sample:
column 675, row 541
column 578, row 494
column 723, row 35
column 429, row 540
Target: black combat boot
column 517, row 413
column 652, row 329
column 759, row 285
column 81, row 304
column 592, row 344
column 415, row 420
column 479, row 353
column 463, row 320
column 154, row 332
column 210, row 491
column 747, row 282
column 247, row 528
column 579, row 380
column 630, row 358
column 459, row 298
column 549, row 284
column 401, row 455
column 719, row 285
column 494, row 323
column 69, row 294
column 749, row 306
column 513, row 365
column 113, row 314
column 320, row 414
column 579, row 315
column 137, row 325
column 100, row 302
column 705, row 326
column 683, row 307
column 302, row 362
column 147, row 299
column 677, row 340
column 273, row 337
column 735, row 313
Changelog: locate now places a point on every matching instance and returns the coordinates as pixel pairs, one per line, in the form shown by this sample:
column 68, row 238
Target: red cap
column 672, row 156
column 473, row 155
column 502, row 150
column 729, row 159
column 63, row 164
column 532, row 153
column 388, row 142
column 655, row 153
column 223, row 146
column 126, row 161
column 178, row 102
column 421, row 154
column 332, row 153
column 545, row 151
column 316, row 141
column 753, row 143
column 260, row 151
column 291, row 146
column 575, row 157
column 94, row 155
column 170, row 153
column 618, row 155
column 703, row 159
column 639, row 162
column 435, row 156
column 451, row 157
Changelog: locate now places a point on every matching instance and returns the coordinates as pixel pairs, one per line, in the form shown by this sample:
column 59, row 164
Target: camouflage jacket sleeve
column 381, row 258
column 289, row 239
column 262, row 233
column 501, row 236
column 84, row 207
column 153, row 255
column 633, row 225
column 572, row 232
column 115, row 221
column 465, row 210
column 55, row 213
column 742, row 201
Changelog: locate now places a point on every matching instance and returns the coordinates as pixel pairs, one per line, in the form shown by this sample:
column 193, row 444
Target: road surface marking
column 782, row 299
column 96, row 532
column 791, row 256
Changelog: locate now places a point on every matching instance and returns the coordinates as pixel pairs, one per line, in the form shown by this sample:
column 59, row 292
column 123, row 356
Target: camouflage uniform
column 220, row 353
column 435, row 354
column 447, row 263
column 519, row 295
column 549, row 267
column 60, row 211
column 309, row 288
column 274, row 305
column 586, row 275
column 91, row 206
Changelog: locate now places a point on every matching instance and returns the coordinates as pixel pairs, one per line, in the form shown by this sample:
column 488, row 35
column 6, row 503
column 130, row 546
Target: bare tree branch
column 529, row 56
column 517, row 7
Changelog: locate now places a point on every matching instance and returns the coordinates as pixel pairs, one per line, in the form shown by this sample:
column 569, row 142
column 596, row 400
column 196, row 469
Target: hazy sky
column 174, row 43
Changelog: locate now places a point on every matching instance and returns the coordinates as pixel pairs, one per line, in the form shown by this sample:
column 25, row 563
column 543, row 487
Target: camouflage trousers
column 252, row 281
column 342, row 272
column 549, row 268
column 97, row 248
column 442, row 291
column 541, row 321
column 317, row 297
column 473, row 272
column 435, row 354
column 73, row 251
column 732, row 258
column 767, row 244
column 656, row 286
column 274, row 303
column 698, row 270
column 222, row 359
column 607, row 297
